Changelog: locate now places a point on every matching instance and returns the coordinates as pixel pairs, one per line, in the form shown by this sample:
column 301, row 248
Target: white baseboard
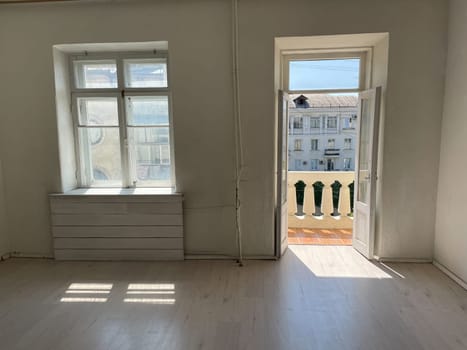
column 226, row 257
column 451, row 274
column 404, row 260
column 29, row 256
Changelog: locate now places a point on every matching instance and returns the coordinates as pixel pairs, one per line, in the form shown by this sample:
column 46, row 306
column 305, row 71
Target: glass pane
column 364, row 154
column 329, row 74
column 98, row 111
column 146, row 73
column 96, row 74
column 100, row 155
column 147, row 110
column 150, row 155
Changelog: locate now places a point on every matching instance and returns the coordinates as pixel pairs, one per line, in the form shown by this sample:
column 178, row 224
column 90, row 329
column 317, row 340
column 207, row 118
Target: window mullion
column 124, row 148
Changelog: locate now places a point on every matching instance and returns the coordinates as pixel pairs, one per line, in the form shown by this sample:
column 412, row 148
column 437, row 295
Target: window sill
column 139, row 191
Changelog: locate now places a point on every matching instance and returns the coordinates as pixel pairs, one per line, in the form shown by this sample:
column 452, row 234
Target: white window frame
column 364, row 54
column 120, row 92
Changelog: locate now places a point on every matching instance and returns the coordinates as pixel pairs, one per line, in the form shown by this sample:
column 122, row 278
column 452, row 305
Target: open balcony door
column 365, row 171
column 282, row 158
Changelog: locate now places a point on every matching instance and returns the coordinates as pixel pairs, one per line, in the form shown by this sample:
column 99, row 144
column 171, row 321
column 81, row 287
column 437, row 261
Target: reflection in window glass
column 96, row 74
column 146, row 72
column 147, row 110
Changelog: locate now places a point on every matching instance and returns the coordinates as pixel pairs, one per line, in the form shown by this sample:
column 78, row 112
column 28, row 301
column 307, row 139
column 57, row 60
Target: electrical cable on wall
column 238, row 129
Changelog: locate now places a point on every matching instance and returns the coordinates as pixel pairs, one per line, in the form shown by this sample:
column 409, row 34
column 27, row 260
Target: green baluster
column 300, row 196
column 351, row 189
column 318, row 192
column 336, row 191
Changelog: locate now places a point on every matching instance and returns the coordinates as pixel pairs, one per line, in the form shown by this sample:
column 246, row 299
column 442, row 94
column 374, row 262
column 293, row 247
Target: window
column 298, row 123
column 298, row 145
column 347, row 163
column 298, row 164
column 315, row 123
column 331, row 123
column 331, row 143
column 314, row 144
column 325, row 71
column 314, row 164
column 348, row 143
column 320, row 74
column 123, row 120
column 347, row 123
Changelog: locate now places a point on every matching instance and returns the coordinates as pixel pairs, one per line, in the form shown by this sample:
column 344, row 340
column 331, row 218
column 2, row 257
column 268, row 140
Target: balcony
column 327, row 220
column 332, row 152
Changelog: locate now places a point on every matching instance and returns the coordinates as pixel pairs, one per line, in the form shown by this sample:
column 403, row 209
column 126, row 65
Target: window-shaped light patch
column 95, row 74
column 324, row 74
column 140, row 293
column 87, row 293
column 144, row 73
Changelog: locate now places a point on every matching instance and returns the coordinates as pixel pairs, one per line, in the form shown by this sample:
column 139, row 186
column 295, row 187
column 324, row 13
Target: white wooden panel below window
column 117, row 220
column 117, row 231
column 119, row 254
column 117, row 227
column 118, row 243
column 64, row 206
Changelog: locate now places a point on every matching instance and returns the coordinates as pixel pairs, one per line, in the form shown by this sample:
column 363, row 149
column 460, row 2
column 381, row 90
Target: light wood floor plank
column 316, row 297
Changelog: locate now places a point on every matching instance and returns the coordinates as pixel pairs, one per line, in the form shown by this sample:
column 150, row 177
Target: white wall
column 4, row 243
column 199, row 39
column 451, row 229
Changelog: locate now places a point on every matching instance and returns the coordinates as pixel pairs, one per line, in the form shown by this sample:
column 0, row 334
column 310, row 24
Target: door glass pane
column 100, row 155
column 364, row 153
column 98, row 111
column 147, row 110
column 150, row 155
column 146, row 73
column 96, row 74
column 324, row 74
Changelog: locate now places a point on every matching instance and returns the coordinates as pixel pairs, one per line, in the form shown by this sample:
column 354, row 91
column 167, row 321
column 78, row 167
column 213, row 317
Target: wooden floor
column 319, row 236
column 316, row 297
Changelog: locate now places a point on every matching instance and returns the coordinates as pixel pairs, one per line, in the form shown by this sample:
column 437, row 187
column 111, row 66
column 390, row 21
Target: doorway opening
column 322, row 133
column 329, row 107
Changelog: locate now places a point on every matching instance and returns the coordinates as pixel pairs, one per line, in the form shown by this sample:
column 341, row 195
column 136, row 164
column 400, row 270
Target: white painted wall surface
column 4, row 243
column 451, row 231
column 199, row 39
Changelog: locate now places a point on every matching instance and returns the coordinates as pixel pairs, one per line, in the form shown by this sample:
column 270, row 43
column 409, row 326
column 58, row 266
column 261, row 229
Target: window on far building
column 298, row 145
column 347, row 163
column 331, row 123
column 297, row 122
column 331, row 143
column 348, row 143
column 314, row 144
column 314, row 164
column 122, row 117
column 347, row 123
column 314, row 122
column 298, row 164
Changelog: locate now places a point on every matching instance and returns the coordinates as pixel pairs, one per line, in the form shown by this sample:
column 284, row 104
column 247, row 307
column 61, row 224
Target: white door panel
column 365, row 171
column 282, row 154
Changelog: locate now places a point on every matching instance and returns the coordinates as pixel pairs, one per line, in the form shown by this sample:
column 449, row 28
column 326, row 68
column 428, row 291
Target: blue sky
column 324, row 74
